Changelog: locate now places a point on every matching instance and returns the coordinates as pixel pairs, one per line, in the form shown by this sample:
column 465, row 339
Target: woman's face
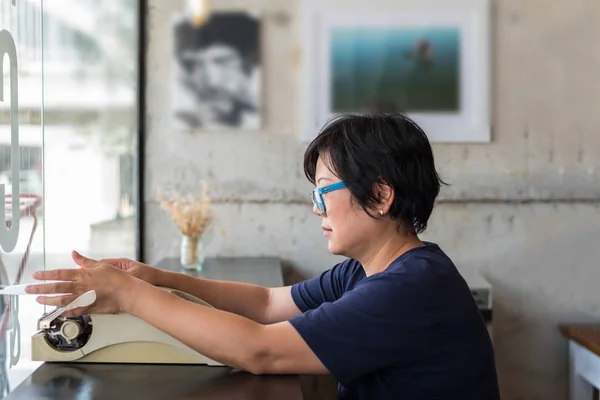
column 348, row 228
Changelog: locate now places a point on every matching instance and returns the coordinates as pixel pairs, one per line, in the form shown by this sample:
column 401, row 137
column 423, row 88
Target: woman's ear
column 384, row 193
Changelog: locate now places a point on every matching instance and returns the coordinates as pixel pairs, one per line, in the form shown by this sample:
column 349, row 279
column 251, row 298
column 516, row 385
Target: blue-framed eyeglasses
column 317, row 195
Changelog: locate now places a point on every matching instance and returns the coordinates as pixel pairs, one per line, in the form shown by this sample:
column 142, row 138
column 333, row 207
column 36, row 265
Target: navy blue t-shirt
column 410, row 332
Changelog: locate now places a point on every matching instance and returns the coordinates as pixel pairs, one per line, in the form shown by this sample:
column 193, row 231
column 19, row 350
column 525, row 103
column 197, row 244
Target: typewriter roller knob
column 70, row 330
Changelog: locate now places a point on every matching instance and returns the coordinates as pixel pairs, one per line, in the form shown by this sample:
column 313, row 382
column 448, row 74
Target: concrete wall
column 523, row 210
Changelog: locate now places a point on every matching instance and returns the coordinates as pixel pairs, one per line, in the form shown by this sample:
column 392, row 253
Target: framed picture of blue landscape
column 413, row 69
column 430, row 63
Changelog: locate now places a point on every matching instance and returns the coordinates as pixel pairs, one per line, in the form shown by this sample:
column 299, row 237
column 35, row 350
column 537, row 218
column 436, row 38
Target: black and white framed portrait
column 217, row 72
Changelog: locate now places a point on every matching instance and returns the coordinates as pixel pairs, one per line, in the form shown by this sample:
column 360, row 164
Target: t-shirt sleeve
column 368, row 328
column 327, row 287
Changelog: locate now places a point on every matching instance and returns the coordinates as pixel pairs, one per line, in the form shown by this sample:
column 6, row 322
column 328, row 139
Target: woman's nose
column 316, row 210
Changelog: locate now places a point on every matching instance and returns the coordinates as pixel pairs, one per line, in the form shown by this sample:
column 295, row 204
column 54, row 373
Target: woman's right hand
column 139, row 270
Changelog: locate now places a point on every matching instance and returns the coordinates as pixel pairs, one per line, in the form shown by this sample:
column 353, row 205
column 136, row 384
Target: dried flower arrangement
column 191, row 214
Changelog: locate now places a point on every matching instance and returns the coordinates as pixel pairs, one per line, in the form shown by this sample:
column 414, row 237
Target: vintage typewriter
column 109, row 338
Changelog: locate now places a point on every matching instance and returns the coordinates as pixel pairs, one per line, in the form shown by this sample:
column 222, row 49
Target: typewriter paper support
column 110, row 338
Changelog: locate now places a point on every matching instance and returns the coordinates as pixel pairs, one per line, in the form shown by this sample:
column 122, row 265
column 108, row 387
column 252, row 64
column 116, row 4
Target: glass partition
column 21, row 181
column 68, row 148
column 90, row 128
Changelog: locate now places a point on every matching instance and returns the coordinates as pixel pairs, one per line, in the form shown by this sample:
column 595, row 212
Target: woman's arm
column 220, row 335
column 224, row 336
column 258, row 303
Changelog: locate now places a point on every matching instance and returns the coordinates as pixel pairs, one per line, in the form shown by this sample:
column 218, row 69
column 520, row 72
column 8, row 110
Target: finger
column 82, row 261
column 60, row 301
column 50, row 288
column 70, row 274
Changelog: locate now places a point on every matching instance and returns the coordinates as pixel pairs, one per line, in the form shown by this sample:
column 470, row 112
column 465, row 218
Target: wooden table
column 584, row 360
column 264, row 271
column 69, row 381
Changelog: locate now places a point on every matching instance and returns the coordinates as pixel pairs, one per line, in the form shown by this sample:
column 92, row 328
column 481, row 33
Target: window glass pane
column 90, row 126
column 76, row 151
column 21, row 184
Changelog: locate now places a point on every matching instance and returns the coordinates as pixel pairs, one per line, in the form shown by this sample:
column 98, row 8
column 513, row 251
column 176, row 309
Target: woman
column 394, row 320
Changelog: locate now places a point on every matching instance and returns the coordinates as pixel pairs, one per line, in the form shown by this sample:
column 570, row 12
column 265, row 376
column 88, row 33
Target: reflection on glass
column 72, row 171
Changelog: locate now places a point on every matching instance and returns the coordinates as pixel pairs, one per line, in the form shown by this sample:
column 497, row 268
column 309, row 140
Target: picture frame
column 357, row 59
column 216, row 72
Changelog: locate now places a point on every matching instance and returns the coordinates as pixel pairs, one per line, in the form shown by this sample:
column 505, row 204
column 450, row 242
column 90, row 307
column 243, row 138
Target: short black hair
column 237, row 29
column 389, row 148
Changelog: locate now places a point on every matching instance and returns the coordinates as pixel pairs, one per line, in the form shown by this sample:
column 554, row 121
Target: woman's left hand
column 114, row 287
